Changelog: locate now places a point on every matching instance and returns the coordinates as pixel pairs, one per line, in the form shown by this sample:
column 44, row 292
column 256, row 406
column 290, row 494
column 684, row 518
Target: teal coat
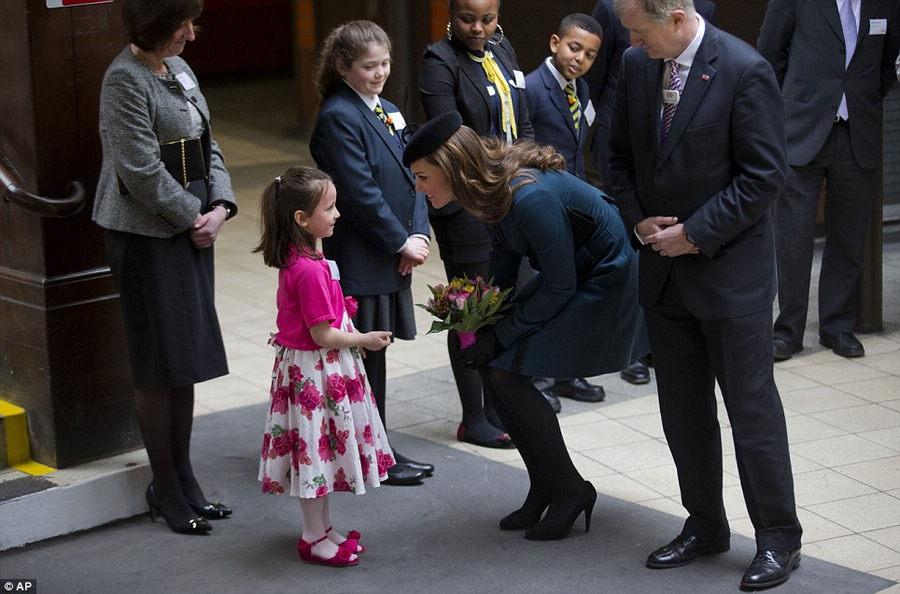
column 579, row 316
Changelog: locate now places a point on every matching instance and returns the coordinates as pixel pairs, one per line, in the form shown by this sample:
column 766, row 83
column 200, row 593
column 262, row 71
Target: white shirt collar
column 370, row 102
column 686, row 58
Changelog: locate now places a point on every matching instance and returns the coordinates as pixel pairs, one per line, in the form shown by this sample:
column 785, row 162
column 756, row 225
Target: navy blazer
column 804, row 42
column 552, row 120
column 720, row 169
column 376, row 194
column 450, row 81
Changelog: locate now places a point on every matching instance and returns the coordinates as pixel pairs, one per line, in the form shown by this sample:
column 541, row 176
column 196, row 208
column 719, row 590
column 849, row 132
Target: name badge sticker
column 590, row 114
column 671, row 97
column 187, row 83
column 333, row 267
column 877, row 26
column 520, row 79
column 397, row 120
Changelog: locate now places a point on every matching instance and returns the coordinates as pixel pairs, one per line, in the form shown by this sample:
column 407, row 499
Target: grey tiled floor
column 843, row 415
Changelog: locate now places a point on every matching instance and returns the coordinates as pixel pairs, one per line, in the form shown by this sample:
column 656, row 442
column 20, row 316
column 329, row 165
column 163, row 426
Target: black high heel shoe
column 546, row 531
column 526, row 516
column 190, row 526
column 521, row 519
column 211, row 511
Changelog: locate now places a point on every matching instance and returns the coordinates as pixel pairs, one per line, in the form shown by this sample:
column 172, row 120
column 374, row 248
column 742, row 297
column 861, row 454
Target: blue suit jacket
column 804, row 42
column 552, row 120
column 720, row 169
column 376, row 194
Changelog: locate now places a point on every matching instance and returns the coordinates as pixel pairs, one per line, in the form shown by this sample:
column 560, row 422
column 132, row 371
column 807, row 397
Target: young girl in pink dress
column 323, row 433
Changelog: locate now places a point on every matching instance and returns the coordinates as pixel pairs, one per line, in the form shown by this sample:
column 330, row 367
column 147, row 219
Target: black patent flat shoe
column 502, row 442
column 211, row 511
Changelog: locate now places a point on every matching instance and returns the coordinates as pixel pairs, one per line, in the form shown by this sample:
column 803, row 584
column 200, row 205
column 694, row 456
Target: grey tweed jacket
column 138, row 112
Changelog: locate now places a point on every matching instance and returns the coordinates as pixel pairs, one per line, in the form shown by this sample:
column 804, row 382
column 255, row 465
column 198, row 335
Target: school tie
column 495, row 76
column 383, row 117
column 848, row 24
column 574, row 106
column 669, row 107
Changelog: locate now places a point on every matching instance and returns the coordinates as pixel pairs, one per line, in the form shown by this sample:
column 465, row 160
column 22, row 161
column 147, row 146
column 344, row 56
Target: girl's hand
column 406, row 265
column 376, row 340
column 416, row 249
column 207, row 226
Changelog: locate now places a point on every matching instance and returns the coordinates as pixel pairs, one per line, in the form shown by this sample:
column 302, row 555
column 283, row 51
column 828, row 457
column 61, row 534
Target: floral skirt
column 323, row 433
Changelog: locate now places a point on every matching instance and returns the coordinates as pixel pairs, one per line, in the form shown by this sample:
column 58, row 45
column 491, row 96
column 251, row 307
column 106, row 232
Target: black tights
column 478, row 414
column 166, row 418
column 532, row 424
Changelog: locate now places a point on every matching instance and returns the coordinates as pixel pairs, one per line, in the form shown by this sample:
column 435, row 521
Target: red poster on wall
column 68, row 3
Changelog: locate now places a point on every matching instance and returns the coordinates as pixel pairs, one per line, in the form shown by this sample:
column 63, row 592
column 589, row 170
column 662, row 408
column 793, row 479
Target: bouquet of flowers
column 465, row 305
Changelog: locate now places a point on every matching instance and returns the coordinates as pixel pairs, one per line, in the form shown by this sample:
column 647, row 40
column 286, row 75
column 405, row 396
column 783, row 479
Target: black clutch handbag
column 183, row 159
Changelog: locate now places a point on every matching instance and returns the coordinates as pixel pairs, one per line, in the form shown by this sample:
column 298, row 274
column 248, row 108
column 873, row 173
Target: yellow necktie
column 495, row 77
column 574, row 106
column 383, row 117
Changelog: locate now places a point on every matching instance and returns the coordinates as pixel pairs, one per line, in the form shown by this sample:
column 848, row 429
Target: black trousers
column 690, row 355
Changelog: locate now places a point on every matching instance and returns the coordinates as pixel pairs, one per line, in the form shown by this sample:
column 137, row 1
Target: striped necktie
column 849, row 27
column 574, row 106
column 671, row 105
column 383, row 117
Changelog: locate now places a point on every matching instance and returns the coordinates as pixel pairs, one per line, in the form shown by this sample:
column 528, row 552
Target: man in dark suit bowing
column 698, row 158
column 834, row 60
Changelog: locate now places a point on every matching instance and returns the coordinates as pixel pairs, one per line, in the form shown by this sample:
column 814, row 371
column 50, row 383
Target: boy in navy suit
column 558, row 99
column 561, row 117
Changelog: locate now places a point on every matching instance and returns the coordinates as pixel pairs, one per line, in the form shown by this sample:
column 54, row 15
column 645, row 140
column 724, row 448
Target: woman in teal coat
column 578, row 317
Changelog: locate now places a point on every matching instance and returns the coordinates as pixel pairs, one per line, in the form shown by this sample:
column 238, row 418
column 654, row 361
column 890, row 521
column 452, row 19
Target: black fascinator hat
column 431, row 135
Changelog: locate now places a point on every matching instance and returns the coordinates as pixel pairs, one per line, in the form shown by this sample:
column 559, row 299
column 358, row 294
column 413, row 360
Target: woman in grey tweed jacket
column 160, row 233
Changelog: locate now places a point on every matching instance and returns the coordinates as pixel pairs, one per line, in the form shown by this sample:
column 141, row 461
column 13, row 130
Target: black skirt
column 394, row 312
column 166, row 287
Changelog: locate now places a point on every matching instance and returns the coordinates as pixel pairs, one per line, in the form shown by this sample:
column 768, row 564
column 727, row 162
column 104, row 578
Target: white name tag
column 520, row 79
column 333, row 267
column 397, row 120
column 671, row 97
column 590, row 114
column 877, row 26
column 187, row 83
column 491, row 90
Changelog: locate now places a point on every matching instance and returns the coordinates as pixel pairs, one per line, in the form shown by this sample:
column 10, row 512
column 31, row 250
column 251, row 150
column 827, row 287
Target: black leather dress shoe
column 578, row 389
column 550, row 397
column 785, row 350
column 844, row 344
column 637, row 373
column 683, row 550
column 425, row 469
column 401, row 476
column 770, row 568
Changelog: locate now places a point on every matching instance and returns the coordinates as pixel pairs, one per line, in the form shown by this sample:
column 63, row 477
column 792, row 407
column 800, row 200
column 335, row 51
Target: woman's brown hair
column 151, row 23
column 481, row 170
